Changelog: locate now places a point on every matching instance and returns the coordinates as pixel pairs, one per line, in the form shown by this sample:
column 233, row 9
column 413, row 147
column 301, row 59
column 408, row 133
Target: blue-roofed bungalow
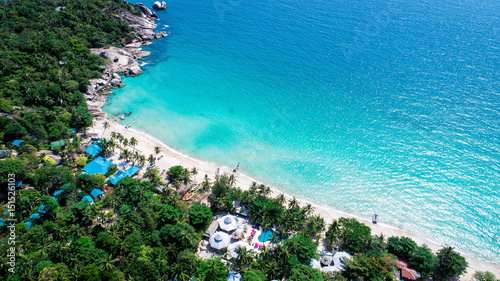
column 53, row 198
column 93, row 149
column 42, row 210
column 1, row 222
column 17, row 142
column 96, row 193
column 18, row 183
column 88, row 198
column 28, row 224
column 117, row 177
column 57, row 192
column 133, row 170
column 35, row 216
column 97, row 166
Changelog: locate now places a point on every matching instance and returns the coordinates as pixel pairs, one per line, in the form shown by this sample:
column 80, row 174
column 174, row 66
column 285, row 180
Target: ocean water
column 361, row 105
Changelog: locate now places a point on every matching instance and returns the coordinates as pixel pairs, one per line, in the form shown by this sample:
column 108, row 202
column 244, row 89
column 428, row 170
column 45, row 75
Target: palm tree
column 133, row 143
column 113, row 135
column 186, row 176
column 93, row 125
column 125, row 142
column 141, row 160
column 157, row 150
column 232, row 180
column 194, row 172
column 280, row 200
column 151, row 159
column 106, row 126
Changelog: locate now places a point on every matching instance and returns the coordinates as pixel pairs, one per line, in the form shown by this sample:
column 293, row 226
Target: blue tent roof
column 96, row 192
column 35, row 216
column 42, row 209
column 1, row 222
column 117, row 177
column 57, row 192
column 17, row 142
column 97, row 166
column 28, row 224
column 87, row 198
column 53, row 198
column 18, row 183
column 133, row 170
column 93, row 149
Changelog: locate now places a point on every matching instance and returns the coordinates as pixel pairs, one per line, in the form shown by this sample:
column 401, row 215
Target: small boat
column 122, row 117
column 161, row 156
column 128, row 113
column 118, row 113
column 128, row 126
column 375, row 218
column 218, row 172
column 236, row 168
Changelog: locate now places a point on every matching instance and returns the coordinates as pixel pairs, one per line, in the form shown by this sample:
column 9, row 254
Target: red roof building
column 407, row 273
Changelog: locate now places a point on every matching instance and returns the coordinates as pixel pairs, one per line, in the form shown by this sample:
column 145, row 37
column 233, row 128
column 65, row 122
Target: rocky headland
column 124, row 60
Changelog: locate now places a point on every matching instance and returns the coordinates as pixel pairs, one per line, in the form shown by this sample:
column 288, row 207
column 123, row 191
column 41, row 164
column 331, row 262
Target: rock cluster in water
column 124, row 61
column 159, row 6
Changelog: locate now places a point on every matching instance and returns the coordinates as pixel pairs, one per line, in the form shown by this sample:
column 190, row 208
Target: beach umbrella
column 232, row 248
column 339, row 258
column 237, row 234
column 228, row 223
column 219, row 240
column 234, row 276
column 326, row 260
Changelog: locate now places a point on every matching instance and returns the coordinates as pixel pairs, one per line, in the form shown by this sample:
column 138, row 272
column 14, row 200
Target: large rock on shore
column 136, row 70
column 145, row 10
column 160, row 6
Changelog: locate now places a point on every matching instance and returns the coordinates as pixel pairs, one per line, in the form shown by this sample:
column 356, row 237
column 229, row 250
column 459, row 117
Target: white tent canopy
column 339, row 258
column 219, row 240
column 232, row 248
column 228, row 223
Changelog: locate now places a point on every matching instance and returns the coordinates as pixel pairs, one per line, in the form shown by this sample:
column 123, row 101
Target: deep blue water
column 360, row 105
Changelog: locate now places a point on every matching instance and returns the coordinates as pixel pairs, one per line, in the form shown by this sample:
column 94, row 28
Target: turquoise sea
column 363, row 105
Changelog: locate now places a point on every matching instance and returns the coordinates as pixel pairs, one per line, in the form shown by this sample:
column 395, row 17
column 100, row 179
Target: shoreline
column 172, row 157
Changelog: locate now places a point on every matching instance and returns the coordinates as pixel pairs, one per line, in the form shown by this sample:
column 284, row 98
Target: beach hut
column 96, row 193
column 228, row 223
column 339, row 259
column 211, row 229
column 241, row 244
column 117, row 177
column 97, row 166
column 219, row 240
column 234, row 276
column 133, row 170
column 409, row 274
column 88, row 198
column 35, row 216
column 42, row 210
column 93, row 149
column 28, row 224
column 57, row 192
column 55, row 144
column 17, row 142
column 406, row 273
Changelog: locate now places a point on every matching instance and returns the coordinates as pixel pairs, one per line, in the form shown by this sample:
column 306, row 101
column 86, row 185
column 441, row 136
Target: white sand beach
column 171, row 157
